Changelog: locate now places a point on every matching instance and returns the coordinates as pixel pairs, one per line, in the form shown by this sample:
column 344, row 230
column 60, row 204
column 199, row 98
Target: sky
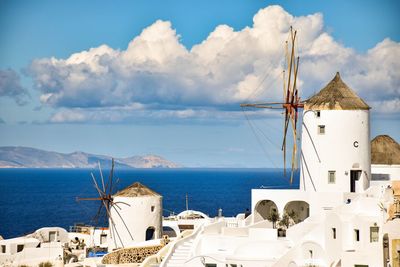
column 125, row 78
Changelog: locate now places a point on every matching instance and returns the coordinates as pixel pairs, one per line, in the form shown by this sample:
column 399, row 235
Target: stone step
column 186, row 250
column 176, row 263
column 180, row 254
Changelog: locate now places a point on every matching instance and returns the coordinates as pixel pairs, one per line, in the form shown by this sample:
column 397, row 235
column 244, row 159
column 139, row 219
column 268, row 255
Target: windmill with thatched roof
column 335, row 154
column 385, row 158
column 137, row 217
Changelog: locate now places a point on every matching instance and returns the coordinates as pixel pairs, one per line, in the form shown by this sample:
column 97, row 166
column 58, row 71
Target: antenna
column 291, row 102
column 187, row 202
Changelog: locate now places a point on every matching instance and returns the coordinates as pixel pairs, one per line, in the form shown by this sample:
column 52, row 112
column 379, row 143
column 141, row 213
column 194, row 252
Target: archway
column 313, row 253
column 150, row 233
column 297, row 210
column 264, row 209
column 169, row 231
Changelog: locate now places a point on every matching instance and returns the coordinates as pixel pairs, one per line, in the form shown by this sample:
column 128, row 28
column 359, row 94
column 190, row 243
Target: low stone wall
column 130, row 255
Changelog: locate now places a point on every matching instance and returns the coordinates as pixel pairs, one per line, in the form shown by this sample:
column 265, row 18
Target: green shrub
column 45, row 264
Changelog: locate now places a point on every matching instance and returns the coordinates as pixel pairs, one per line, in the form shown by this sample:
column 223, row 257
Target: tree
column 285, row 221
column 288, row 219
column 273, row 217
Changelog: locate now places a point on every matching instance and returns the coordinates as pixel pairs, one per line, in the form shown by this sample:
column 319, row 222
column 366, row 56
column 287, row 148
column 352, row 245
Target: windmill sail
column 106, row 201
column 291, row 103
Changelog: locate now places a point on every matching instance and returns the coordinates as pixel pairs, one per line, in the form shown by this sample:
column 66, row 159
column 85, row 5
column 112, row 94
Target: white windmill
column 134, row 213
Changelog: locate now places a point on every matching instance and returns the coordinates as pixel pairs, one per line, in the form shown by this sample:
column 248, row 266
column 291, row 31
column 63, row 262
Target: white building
column 335, row 144
column 45, row 244
column 136, row 216
column 335, row 156
column 341, row 219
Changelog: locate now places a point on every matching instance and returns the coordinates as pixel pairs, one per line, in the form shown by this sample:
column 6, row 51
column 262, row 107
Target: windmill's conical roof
column 336, row 95
column 136, row 190
column 385, row 150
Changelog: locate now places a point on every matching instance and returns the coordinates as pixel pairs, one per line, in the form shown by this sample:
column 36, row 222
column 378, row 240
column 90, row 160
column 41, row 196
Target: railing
column 203, row 259
column 232, row 223
column 178, row 243
column 156, row 259
column 80, row 229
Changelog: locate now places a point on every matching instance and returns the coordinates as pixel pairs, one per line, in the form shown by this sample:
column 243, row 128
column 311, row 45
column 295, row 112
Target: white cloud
column 146, row 115
column 387, row 106
column 10, row 86
column 167, row 80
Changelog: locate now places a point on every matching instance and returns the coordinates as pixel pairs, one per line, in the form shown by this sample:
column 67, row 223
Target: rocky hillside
column 26, row 157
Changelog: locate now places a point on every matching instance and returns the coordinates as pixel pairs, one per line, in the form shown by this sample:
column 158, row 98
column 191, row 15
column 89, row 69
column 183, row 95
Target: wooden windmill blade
column 285, row 128
column 98, row 214
column 109, row 186
column 294, row 149
column 114, row 205
column 102, row 194
column 101, row 176
column 107, row 202
column 268, row 105
column 291, row 101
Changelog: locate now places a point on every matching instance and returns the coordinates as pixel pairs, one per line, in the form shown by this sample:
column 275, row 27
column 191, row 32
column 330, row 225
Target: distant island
column 27, row 157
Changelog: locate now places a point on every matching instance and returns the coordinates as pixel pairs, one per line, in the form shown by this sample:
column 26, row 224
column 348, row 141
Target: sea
column 35, row 198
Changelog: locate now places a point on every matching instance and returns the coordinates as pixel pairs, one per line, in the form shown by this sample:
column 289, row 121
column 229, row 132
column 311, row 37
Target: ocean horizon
column 32, row 198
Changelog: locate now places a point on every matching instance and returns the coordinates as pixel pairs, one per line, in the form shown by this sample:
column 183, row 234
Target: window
column 321, row 129
column 318, row 113
column 210, row 265
column 103, row 238
column 374, row 234
column 356, row 235
column 52, row 236
column 150, row 233
column 152, row 208
column 3, row 248
column 20, row 248
column 334, row 233
column 331, row 177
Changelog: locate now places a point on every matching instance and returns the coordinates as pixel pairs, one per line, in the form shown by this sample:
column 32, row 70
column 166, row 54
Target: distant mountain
column 27, row 157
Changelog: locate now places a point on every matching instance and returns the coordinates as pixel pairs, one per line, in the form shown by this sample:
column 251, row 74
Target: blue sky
column 182, row 102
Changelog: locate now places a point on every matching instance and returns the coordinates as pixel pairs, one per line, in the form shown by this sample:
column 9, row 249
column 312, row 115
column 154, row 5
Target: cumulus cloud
column 145, row 116
column 157, row 76
column 10, row 86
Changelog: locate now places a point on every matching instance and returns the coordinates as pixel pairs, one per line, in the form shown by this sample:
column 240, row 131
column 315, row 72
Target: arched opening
column 313, row 253
column 296, row 211
column 150, row 233
column 266, row 210
column 169, row 231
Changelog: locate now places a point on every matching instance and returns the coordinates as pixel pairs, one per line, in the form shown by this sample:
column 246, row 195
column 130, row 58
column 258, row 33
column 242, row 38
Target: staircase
column 181, row 254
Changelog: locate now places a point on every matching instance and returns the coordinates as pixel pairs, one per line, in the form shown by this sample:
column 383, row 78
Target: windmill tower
column 335, row 149
column 136, row 216
column 134, row 213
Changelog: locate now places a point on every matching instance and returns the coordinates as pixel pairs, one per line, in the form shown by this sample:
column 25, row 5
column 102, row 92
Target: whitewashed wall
column 138, row 216
column 345, row 146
